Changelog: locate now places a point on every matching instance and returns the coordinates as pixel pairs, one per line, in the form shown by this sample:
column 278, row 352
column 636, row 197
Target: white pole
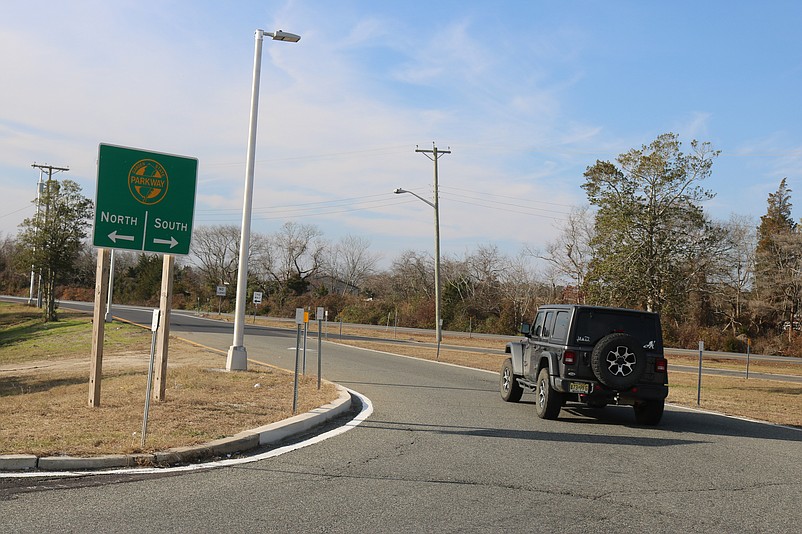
column 237, row 359
column 153, row 328
column 39, row 186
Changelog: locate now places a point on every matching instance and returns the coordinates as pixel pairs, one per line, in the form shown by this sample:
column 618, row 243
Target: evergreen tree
column 778, row 260
column 649, row 224
column 777, row 219
column 52, row 239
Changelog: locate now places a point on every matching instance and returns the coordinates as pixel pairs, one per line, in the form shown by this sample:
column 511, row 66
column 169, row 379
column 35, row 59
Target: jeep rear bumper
column 598, row 392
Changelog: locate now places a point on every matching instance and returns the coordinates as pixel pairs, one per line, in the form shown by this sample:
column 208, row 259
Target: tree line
column 643, row 241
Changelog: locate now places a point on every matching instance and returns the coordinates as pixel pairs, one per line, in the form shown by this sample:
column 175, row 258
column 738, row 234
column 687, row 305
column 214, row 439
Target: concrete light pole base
column 237, row 359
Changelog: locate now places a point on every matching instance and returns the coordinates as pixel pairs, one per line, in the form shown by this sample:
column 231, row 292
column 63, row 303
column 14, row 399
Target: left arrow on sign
column 114, row 237
column 172, row 242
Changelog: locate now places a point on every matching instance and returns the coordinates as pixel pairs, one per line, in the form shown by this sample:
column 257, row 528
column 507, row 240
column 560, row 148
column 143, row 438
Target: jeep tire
column 511, row 390
column 618, row 361
column 548, row 401
column 649, row 412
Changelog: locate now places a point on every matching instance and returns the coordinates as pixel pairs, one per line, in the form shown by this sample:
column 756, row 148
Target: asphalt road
column 443, row 453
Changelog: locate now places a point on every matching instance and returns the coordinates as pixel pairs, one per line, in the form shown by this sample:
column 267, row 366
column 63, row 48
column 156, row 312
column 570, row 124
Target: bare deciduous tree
column 351, row 262
column 295, row 254
column 413, row 276
column 569, row 256
column 216, row 249
column 520, row 287
column 736, row 270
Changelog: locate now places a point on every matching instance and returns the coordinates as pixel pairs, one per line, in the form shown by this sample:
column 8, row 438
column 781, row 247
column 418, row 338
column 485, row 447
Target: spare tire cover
column 618, row 360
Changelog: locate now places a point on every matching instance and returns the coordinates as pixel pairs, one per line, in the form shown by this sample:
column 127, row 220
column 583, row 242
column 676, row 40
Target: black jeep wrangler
column 589, row 354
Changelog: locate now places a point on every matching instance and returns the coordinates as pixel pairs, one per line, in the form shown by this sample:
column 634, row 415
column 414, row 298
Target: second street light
column 237, row 359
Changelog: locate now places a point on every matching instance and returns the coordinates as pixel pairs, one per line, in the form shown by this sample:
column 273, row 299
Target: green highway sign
column 145, row 200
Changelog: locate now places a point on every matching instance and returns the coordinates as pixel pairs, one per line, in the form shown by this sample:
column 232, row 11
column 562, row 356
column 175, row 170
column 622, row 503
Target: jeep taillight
column 569, row 357
column 661, row 365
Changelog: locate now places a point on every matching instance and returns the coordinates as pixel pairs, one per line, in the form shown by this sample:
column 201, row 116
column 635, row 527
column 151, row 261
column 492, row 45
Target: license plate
column 579, row 387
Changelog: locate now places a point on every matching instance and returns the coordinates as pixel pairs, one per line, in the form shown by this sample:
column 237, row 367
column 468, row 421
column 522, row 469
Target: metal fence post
column 699, row 384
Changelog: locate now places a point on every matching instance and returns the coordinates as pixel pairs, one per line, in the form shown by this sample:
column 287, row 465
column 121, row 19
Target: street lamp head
column 398, row 191
column 281, row 35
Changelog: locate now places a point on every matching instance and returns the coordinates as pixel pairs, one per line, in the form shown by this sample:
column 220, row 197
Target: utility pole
column 51, row 170
column 434, row 154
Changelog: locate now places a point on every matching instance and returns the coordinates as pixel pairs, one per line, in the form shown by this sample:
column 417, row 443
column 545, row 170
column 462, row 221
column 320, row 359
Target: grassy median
column 44, row 390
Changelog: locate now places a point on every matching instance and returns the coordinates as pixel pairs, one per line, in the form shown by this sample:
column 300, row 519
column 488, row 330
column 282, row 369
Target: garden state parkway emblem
column 147, row 181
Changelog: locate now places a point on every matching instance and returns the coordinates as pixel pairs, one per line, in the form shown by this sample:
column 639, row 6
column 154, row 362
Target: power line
column 318, row 157
column 15, row 211
column 518, row 204
column 514, row 209
column 280, row 212
column 305, row 205
column 376, row 202
column 275, row 212
column 517, row 199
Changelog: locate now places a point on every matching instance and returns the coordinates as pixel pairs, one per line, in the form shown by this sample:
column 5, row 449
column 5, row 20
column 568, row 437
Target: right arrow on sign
column 172, row 242
column 114, row 237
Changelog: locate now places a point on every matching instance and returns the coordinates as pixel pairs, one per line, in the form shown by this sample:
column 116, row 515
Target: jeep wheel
column 618, row 361
column 511, row 390
column 649, row 412
column 549, row 401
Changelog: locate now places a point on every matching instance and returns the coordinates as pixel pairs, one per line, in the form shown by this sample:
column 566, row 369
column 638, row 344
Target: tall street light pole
column 237, row 359
column 433, row 155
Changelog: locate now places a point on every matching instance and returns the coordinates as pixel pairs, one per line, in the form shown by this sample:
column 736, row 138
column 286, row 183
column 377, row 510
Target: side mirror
column 526, row 329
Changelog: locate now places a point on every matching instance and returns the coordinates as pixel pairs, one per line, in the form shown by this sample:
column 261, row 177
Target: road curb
column 238, row 443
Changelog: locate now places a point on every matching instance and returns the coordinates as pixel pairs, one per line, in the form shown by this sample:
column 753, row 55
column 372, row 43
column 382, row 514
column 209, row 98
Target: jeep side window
column 560, row 331
column 547, row 324
column 539, row 324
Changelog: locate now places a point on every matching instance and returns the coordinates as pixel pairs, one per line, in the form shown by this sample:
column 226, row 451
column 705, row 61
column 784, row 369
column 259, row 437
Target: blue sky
column 526, row 94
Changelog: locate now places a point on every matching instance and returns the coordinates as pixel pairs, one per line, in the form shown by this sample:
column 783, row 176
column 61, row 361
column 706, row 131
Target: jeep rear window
column 592, row 325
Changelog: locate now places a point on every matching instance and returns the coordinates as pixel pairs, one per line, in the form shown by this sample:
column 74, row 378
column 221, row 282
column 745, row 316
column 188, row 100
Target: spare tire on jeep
column 618, row 360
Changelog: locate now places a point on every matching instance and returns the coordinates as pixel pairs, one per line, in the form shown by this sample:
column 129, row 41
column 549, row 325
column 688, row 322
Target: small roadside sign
column 144, row 201
column 257, row 297
column 221, row 291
